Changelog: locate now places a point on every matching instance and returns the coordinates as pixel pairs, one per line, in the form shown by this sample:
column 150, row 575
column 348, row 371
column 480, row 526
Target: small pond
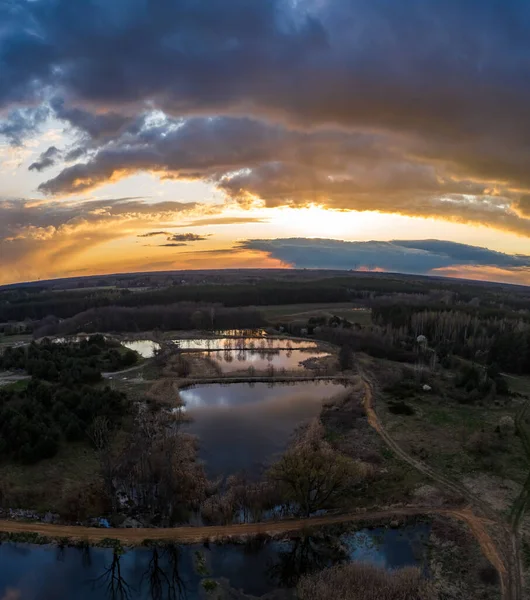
column 242, row 426
column 50, row 573
column 233, row 361
column 242, row 343
column 145, row 348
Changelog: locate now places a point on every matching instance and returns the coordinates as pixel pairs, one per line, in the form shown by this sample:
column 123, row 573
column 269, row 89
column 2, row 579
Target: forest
column 36, row 303
column 34, row 420
column 60, row 401
column 487, row 337
column 69, row 363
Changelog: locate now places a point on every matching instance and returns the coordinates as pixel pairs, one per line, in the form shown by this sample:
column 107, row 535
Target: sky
column 140, row 135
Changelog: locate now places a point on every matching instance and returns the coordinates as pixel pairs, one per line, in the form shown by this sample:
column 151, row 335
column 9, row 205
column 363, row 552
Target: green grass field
column 299, row 312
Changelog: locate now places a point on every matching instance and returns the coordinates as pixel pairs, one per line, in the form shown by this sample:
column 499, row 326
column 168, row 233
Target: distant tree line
column 164, row 317
column 36, row 303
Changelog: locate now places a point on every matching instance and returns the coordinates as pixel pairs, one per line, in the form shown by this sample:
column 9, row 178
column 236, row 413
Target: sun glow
column 313, row 221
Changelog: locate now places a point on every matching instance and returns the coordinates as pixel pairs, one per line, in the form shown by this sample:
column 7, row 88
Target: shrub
column 312, row 474
column 359, row 581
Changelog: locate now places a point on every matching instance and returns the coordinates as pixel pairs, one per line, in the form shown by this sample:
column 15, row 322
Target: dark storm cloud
column 249, row 159
column 406, row 256
column 20, row 123
column 46, row 159
column 445, row 85
column 95, row 125
column 196, row 148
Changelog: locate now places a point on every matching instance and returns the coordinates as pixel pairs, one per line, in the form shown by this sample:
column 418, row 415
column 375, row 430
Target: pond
column 242, row 426
column 233, row 361
column 50, row 573
column 145, row 348
column 242, row 343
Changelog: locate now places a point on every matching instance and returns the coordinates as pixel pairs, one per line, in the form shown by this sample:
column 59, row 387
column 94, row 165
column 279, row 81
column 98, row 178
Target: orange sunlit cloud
column 486, row 273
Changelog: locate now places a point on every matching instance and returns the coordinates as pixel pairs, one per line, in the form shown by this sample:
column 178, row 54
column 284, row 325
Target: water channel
column 30, row 572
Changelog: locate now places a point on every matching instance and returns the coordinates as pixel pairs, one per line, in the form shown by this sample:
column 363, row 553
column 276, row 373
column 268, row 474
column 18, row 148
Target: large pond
column 147, row 348
column 242, row 426
column 50, row 573
column 233, row 361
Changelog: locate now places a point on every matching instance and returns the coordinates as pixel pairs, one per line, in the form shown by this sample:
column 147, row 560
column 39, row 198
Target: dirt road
column 7, row 378
column 191, row 535
column 502, row 553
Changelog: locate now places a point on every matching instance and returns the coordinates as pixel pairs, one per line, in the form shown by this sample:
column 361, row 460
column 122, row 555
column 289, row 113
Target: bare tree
column 160, row 472
column 100, row 435
column 163, row 574
column 312, row 474
column 113, row 581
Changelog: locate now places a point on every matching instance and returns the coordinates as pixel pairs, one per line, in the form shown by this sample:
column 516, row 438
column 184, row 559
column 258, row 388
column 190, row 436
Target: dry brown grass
column 164, row 391
column 360, row 581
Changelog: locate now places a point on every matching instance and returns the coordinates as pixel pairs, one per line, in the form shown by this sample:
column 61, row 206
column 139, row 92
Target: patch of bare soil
column 165, row 391
column 499, row 493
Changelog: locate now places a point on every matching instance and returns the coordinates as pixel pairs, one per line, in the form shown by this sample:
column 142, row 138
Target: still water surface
column 233, row 361
column 48, row 573
column 243, row 343
column 146, row 348
column 242, row 426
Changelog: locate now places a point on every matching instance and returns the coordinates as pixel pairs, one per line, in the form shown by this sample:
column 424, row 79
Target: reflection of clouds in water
column 145, row 348
column 241, row 427
column 238, row 360
column 193, row 398
column 245, row 344
column 388, row 548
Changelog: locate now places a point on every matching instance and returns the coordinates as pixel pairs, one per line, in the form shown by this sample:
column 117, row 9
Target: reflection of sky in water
column 248, row 343
column 241, row 427
column 389, row 548
column 231, row 361
column 145, row 348
column 48, row 573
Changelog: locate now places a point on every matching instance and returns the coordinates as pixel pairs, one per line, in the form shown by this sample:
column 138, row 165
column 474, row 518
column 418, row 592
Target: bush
column 313, row 475
column 358, row 581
